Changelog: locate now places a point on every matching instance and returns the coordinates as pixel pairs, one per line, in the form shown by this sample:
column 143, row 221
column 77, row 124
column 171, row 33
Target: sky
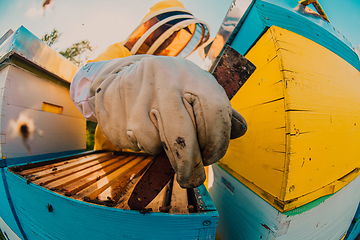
column 101, row 22
column 345, row 16
column 109, row 21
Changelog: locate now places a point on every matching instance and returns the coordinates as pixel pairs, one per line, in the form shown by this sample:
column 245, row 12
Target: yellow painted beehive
column 302, row 106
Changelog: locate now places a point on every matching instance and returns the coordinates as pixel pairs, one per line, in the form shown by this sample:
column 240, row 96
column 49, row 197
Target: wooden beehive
column 106, row 178
column 302, row 109
column 37, row 114
column 52, row 188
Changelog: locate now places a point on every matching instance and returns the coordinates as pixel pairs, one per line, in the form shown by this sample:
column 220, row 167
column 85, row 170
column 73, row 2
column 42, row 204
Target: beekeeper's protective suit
column 150, row 103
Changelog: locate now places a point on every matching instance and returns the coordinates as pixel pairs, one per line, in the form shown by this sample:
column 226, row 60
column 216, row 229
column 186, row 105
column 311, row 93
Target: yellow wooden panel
column 323, row 106
column 259, row 156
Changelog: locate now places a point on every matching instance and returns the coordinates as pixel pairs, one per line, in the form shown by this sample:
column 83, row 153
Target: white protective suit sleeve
column 150, row 103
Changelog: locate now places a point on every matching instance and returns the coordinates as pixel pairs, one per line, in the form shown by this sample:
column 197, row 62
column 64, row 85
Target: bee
column 49, row 208
column 47, row 3
column 145, row 211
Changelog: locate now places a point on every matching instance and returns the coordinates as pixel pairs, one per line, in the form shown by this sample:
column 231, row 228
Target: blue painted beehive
column 51, row 188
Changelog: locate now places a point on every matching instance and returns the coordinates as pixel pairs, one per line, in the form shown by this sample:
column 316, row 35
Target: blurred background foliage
column 77, row 54
column 90, row 132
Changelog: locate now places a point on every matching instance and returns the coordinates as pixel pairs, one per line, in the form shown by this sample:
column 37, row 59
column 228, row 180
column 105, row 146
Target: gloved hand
column 166, row 103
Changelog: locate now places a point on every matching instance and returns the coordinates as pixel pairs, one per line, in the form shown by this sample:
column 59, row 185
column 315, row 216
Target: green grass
column 2, row 236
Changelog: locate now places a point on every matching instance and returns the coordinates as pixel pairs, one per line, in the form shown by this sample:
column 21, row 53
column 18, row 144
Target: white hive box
column 34, row 83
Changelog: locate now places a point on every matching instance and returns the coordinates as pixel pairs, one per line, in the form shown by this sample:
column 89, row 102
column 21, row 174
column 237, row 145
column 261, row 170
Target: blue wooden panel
column 5, row 210
column 241, row 211
column 72, row 219
column 249, row 32
column 354, row 228
column 284, row 14
column 204, row 199
column 287, row 13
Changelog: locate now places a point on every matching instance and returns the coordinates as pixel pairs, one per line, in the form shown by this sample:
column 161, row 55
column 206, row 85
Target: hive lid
column 26, row 45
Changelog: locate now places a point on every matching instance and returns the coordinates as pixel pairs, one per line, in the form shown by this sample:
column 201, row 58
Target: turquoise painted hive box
column 51, row 187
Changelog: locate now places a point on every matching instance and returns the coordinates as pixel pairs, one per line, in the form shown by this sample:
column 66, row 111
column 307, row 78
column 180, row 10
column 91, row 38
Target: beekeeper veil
column 168, row 30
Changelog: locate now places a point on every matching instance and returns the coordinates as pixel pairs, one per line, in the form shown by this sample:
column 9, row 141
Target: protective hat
column 168, row 29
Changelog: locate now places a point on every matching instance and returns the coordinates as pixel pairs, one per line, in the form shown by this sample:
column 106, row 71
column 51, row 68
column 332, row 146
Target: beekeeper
column 149, row 103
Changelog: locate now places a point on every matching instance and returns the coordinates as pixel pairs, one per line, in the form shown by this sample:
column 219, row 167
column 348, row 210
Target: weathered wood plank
column 113, row 192
column 43, row 170
column 70, row 171
column 158, row 204
column 123, row 201
column 167, row 199
column 56, row 171
column 95, row 189
column 98, row 171
column 158, row 201
column 81, row 183
column 179, row 199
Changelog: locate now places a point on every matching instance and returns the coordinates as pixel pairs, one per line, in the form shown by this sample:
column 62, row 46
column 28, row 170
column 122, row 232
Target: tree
column 51, row 38
column 78, row 52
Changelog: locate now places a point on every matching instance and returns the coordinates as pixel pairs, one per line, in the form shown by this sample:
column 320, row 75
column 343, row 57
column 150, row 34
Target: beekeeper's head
column 169, row 30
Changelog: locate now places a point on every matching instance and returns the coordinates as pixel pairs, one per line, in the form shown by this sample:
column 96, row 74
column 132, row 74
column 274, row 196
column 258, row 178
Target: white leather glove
column 166, row 103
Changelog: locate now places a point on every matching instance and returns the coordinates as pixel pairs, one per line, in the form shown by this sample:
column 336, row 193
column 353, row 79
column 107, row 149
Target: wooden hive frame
column 106, row 178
